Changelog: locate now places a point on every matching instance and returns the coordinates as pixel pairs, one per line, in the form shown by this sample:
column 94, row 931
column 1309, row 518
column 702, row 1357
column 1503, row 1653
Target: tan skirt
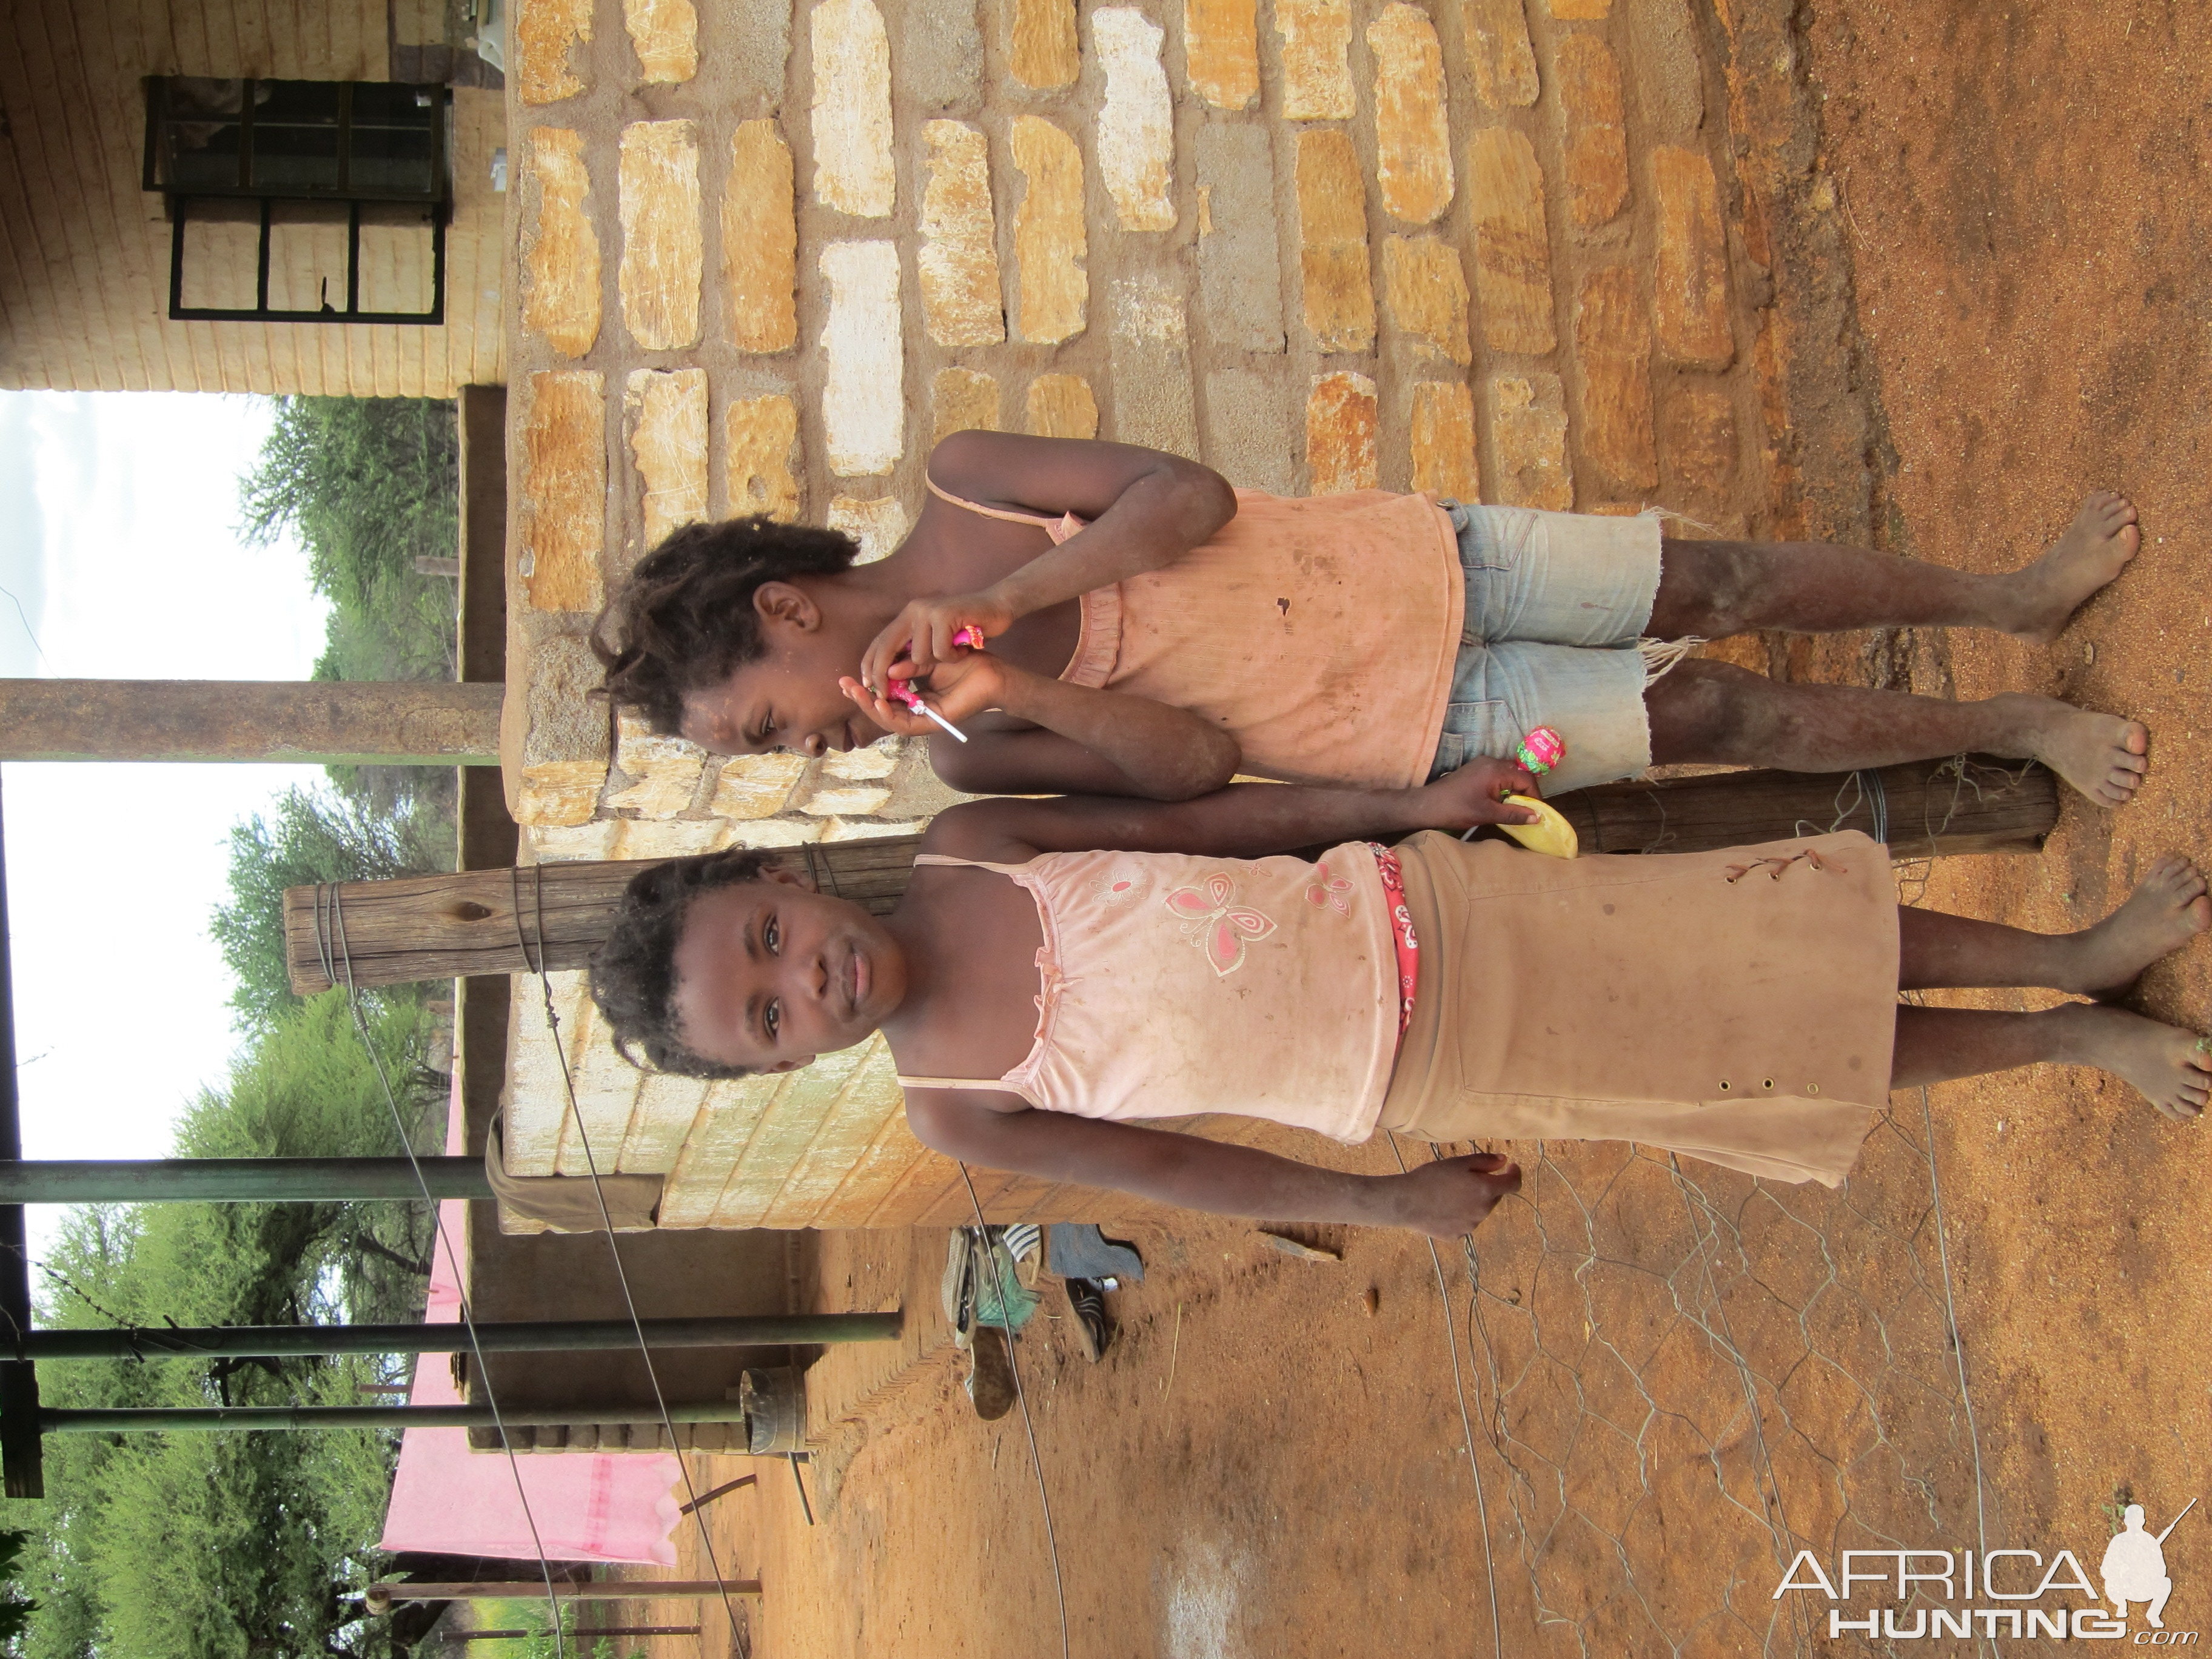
column 1737, row 1007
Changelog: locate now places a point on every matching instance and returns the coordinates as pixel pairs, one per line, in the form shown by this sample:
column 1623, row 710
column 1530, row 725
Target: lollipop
column 969, row 636
column 1541, row 750
column 901, row 692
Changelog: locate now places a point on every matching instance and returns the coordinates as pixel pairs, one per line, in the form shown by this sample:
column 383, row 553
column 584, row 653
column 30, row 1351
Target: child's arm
column 1077, row 739
column 1143, row 508
column 1246, row 820
column 1441, row 1198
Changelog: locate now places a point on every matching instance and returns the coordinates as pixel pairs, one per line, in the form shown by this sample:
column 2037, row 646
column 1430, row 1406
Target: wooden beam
column 396, row 723
column 380, row 1598
column 505, row 921
column 22, row 1465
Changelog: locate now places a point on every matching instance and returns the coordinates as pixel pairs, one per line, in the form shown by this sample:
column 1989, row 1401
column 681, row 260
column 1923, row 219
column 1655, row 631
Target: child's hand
column 1461, row 800
column 1452, row 1196
column 969, row 684
column 922, row 634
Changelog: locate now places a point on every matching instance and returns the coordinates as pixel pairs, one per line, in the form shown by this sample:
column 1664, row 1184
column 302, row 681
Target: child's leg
column 1715, row 713
column 1709, row 589
column 2171, row 1068
column 2167, row 910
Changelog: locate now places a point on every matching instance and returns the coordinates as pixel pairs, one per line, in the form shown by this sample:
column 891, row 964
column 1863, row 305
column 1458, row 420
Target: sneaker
column 1087, row 1302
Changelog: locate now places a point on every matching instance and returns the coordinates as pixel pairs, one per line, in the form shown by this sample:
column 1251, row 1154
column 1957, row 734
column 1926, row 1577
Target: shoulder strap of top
column 947, row 860
column 1043, row 520
column 996, row 1083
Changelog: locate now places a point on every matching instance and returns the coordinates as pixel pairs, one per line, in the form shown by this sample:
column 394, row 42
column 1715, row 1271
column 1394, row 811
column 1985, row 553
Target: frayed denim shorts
column 1556, row 604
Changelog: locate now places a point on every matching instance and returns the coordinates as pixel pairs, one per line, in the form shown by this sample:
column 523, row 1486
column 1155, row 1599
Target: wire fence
column 1689, row 1375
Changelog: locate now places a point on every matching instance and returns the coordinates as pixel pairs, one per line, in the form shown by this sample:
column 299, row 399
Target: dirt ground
column 1676, row 1379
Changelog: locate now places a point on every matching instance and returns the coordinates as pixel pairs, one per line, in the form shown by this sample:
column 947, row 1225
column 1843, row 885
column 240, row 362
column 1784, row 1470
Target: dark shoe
column 1087, row 1302
column 991, row 1372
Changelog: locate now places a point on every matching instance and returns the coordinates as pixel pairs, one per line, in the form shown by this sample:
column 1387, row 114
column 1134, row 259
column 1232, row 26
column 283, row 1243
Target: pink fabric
column 589, row 1506
column 1175, row 985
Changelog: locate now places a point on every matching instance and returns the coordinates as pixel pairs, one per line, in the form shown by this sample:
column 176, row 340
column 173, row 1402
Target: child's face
column 787, row 697
column 770, row 974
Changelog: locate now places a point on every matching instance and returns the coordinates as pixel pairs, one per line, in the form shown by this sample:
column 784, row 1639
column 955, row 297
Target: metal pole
column 520, row 1336
column 380, row 1598
column 142, row 1419
column 236, row 1180
column 594, row 1630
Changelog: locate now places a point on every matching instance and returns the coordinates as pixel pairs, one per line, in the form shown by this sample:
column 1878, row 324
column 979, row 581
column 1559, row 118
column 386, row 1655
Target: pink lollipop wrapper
column 971, row 636
column 1541, row 750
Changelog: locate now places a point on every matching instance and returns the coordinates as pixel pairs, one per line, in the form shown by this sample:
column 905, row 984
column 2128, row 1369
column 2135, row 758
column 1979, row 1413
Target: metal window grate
column 295, row 150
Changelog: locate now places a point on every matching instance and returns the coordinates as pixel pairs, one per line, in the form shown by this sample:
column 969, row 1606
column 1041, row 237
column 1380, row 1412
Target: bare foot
column 2170, row 1067
column 2102, row 755
column 2165, row 912
column 2096, row 548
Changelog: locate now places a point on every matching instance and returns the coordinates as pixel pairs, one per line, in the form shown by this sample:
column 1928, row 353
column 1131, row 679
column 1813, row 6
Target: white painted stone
column 864, row 764
column 852, row 801
column 878, row 524
column 561, row 844
column 863, row 384
column 853, row 168
column 776, row 832
column 1136, row 123
column 870, row 830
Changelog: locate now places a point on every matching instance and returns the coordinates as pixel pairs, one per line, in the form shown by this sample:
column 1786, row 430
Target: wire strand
column 1022, row 1398
column 1467, row 1422
column 606, row 1218
column 331, row 942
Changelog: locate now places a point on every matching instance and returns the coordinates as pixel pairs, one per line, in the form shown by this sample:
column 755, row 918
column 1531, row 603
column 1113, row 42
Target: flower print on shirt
column 1112, row 888
column 1219, row 926
column 1328, row 889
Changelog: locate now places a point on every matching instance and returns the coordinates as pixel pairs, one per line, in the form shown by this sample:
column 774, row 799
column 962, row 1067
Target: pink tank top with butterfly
column 1174, row 985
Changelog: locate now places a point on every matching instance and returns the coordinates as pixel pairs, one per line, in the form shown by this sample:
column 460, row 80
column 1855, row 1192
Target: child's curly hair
column 684, row 618
column 634, row 971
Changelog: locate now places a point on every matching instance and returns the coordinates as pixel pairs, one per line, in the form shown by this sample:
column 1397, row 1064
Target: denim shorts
column 1556, row 604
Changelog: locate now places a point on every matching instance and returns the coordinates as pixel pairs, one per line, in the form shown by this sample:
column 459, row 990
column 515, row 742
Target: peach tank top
column 1174, row 985
column 1322, row 631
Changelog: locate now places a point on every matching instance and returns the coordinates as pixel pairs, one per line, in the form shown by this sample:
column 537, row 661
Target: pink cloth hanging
column 589, row 1506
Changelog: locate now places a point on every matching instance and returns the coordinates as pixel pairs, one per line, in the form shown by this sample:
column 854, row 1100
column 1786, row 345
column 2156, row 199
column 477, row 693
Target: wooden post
column 147, row 1419
column 507, row 1336
column 554, row 915
column 401, row 723
column 594, row 1630
column 236, row 1179
column 382, row 1598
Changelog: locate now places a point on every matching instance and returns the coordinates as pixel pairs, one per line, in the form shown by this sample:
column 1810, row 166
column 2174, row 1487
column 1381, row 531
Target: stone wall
column 770, row 252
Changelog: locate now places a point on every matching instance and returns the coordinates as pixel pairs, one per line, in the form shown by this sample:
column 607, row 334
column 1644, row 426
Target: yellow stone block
column 1529, row 426
column 666, row 838
column 561, row 261
column 1613, row 348
column 562, row 512
column 665, row 34
column 1316, row 39
column 664, row 772
column 1699, row 438
column 852, row 800
column 1413, row 139
column 1041, row 49
column 760, row 242
column 1050, row 242
column 1427, row 291
column 667, row 413
column 663, row 256
column 1061, row 406
column 878, row 523
column 1498, row 48
column 853, row 171
column 1580, row 11
column 1221, row 52
column 1339, row 296
column 1443, row 433
column 1341, row 419
column 958, row 261
column 1136, row 122
column 1512, row 255
column 962, row 400
column 561, row 843
column 1588, row 81
column 1690, row 301
column 755, row 785
column 559, row 792
column 759, row 441
column 540, row 36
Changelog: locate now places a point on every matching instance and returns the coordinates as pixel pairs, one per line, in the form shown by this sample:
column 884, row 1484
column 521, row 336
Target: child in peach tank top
column 1059, row 970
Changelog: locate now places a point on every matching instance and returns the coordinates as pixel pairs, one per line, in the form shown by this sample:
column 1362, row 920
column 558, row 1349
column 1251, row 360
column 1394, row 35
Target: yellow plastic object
column 1551, row 834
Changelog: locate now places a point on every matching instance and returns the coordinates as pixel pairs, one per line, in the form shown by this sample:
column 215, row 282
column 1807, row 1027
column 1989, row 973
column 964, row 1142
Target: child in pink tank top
column 1150, row 631
column 1059, row 970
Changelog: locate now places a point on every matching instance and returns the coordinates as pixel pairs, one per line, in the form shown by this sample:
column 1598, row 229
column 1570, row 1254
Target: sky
column 119, row 559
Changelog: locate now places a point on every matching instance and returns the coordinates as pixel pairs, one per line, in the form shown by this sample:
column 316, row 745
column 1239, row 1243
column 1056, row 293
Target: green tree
column 368, row 485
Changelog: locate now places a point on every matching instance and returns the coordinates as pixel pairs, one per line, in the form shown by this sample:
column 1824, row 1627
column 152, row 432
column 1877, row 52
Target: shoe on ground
column 991, row 1372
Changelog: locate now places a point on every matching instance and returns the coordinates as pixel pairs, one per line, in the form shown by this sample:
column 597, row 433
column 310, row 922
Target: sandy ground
column 1674, row 1380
